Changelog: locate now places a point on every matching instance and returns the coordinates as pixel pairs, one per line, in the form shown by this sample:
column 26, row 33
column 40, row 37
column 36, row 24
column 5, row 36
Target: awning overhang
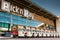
column 34, row 8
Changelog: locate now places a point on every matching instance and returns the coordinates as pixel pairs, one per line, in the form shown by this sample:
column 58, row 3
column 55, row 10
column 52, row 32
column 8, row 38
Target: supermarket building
column 15, row 12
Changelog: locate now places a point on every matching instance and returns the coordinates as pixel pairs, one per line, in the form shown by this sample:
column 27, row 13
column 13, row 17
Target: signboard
column 7, row 6
column 26, row 12
column 30, row 15
column 16, row 9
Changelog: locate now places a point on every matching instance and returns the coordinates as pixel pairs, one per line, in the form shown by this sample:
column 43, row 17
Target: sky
column 52, row 6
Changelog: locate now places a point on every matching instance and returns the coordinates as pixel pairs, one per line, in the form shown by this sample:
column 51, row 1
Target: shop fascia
column 7, row 6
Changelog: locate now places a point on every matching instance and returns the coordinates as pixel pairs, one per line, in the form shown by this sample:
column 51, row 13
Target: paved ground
column 30, row 39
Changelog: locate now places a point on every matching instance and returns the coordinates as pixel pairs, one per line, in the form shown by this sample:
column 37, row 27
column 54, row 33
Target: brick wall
column 42, row 19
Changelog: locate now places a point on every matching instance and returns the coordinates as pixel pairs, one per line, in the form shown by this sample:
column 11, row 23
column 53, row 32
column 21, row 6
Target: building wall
column 58, row 24
column 35, row 16
column 42, row 19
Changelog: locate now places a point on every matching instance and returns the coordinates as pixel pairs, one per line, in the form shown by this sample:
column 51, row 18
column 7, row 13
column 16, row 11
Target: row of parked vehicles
column 22, row 31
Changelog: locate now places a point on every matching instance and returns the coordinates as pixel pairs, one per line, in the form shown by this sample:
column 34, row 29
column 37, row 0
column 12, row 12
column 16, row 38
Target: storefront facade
column 13, row 14
column 11, row 17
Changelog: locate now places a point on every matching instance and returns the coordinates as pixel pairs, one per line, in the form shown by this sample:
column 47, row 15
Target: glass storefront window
column 51, row 27
column 2, row 19
column 1, row 14
column 7, row 15
column 0, row 24
column 19, row 18
column 15, row 21
column 4, row 25
column 7, row 20
column 14, row 17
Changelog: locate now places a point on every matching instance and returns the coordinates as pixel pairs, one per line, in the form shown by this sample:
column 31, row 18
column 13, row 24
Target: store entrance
column 4, row 29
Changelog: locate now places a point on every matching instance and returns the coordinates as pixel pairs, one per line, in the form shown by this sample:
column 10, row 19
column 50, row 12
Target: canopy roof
column 33, row 7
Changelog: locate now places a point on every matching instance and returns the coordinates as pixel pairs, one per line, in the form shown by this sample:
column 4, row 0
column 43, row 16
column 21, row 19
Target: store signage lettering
column 16, row 9
column 6, row 6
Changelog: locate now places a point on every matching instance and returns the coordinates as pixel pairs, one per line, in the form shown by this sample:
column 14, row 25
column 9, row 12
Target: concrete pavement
column 29, row 38
column 4, row 37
